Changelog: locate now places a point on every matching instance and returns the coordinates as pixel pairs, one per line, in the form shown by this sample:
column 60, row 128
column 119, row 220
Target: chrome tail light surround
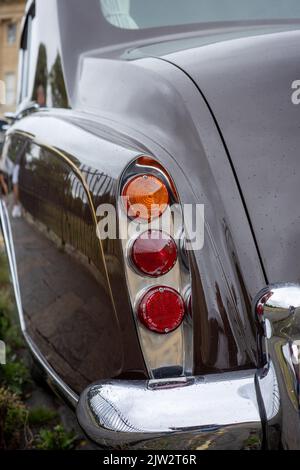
column 171, row 354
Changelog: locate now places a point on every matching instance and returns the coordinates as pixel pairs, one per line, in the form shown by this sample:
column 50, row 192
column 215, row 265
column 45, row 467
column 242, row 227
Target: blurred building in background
column 11, row 13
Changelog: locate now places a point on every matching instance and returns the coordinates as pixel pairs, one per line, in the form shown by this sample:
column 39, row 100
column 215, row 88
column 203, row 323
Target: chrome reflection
column 277, row 310
column 270, row 393
column 113, row 412
column 150, row 406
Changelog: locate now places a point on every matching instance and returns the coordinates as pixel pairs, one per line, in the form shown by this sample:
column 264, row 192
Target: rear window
column 142, row 14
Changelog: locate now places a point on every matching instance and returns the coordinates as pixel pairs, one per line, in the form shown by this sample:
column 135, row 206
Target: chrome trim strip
column 62, row 388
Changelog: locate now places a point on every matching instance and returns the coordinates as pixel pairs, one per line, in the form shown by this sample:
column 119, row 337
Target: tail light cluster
column 154, row 253
column 146, row 197
column 161, row 309
column 157, row 277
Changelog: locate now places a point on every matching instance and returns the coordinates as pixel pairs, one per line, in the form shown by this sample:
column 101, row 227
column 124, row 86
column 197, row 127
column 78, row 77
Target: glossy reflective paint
column 217, row 344
column 154, row 109
column 225, row 329
column 247, row 82
column 74, row 319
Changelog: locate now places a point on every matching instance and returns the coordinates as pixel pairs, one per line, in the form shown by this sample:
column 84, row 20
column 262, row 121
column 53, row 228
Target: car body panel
column 69, row 309
column 253, row 76
column 187, row 96
column 121, row 122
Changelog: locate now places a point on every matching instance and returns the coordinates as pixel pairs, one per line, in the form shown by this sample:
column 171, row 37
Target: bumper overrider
column 216, row 411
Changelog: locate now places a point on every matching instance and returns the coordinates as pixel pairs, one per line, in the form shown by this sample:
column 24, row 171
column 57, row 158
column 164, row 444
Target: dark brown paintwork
column 252, row 77
column 64, row 287
column 123, row 108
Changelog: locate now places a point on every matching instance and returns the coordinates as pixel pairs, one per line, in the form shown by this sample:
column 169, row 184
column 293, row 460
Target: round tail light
column 154, row 253
column 146, row 197
column 161, row 309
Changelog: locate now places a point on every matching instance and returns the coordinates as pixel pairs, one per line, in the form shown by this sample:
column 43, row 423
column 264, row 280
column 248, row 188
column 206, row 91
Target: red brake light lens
column 154, row 253
column 161, row 309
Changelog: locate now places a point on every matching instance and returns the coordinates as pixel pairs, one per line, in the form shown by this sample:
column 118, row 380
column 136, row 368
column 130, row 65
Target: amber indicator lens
column 149, row 161
column 154, row 253
column 145, row 197
column 161, row 309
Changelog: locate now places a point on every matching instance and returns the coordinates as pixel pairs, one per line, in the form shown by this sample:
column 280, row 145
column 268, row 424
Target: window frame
column 25, row 55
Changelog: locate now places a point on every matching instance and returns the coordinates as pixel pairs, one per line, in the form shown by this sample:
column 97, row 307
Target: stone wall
column 11, row 13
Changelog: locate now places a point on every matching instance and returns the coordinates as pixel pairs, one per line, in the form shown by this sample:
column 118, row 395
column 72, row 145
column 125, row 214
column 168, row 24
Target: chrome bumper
column 215, row 411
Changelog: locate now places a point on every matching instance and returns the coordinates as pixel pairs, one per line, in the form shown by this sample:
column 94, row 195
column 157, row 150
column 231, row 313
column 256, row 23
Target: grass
column 15, row 382
column 13, row 420
column 4, row 273
column 55, row 439
column 9, row 331
column 15, row 375
column 252, row 443
column 41, row 416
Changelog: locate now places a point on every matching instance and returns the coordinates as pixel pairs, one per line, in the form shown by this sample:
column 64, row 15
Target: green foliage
column 4, row 319
column 13, row 338
column 252, row 443
column 5, row 302
column 15, row 417
column 55, row 439
column 15, row 376
column 9, row 331
column 41, row 415
column 13, row 420
column 4, row 271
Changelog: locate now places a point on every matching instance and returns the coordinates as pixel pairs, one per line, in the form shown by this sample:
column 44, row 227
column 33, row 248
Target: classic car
column 155, row 342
